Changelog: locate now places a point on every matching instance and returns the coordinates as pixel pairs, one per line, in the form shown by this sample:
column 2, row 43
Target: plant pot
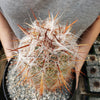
column 5, row 89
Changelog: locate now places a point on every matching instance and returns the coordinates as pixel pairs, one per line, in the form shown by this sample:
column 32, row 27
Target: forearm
column 6, row 36
column 89, row 36
column 91, row 33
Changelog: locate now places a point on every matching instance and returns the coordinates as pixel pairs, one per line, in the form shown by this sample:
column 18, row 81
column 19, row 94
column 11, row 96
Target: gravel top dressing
column 28, row 92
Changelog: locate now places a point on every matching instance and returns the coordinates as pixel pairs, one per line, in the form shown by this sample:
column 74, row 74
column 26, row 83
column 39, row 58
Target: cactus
column 46, row 56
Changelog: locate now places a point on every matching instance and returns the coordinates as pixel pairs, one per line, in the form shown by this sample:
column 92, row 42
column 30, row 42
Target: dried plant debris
column 45, row 61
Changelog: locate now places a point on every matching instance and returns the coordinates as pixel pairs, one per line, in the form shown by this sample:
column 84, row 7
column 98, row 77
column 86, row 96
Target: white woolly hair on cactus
column 46, row 55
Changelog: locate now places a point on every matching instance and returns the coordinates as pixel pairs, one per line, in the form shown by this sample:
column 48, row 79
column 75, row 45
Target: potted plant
column 44, row 64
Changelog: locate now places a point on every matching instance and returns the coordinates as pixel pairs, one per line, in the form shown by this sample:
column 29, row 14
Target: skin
column 88, row 37
column 7, row 37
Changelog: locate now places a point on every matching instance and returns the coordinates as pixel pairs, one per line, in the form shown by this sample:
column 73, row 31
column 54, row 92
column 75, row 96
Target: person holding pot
column 7, row 38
